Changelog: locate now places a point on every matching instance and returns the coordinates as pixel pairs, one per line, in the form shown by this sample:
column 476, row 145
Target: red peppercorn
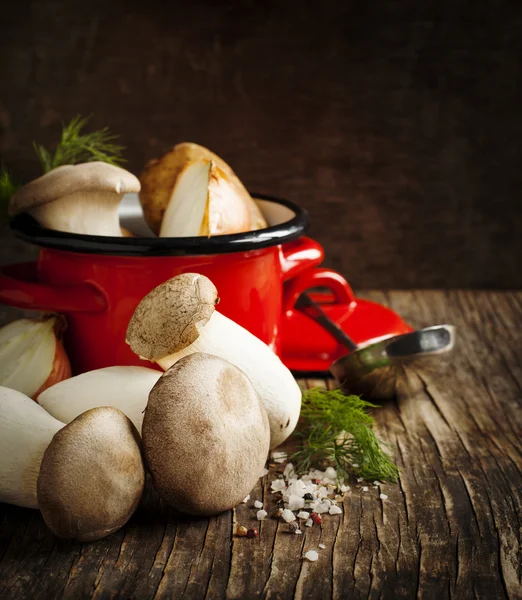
column 316, row 481
column 252, row 533
column 316, row 518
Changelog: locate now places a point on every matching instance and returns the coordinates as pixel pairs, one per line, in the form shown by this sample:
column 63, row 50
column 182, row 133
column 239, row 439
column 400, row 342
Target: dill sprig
column 76, row 147
column 7, row 189
column 337, row 429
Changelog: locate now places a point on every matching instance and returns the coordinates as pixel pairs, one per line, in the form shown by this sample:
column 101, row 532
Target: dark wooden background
column 397, row 124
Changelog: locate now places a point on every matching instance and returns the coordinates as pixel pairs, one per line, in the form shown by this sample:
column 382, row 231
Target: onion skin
column 60, row 370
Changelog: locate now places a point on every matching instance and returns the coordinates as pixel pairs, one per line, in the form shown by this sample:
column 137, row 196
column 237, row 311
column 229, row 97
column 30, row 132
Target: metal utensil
column 379, row 370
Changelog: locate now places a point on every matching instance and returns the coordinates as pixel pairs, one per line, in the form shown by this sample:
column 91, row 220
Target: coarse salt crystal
column 376, row 483
column 258, row 504
column 383, row 497
column 298, row 532
column 295, row 502
column 263, row 472
column 345, row 488
column 322, row 546
column 261, row 514
column 365, row 488
column 335, row 510
column 289, row 470
column 312, row 555
column 331, row 473
column 302, row 515
column 288, row 515
column 278, row 485
column 359, row 479
column 279, row 457
column 322, row 492
column 309, row 523
column 246, row 499
column 322, row 507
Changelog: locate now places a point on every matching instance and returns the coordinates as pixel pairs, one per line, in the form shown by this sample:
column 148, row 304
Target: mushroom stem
column 26, row 430
column 124, row 388
column 272, row 380
column 93, row 213
column 80, row 198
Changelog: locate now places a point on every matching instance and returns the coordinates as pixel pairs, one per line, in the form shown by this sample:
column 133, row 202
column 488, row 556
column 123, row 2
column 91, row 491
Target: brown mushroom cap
column 92, row 476
column 68, row 179
column 205, row 435
column 169, row 318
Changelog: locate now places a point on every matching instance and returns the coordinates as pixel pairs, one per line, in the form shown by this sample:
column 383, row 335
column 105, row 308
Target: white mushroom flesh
column 85, row 212
column 273, row 382
column 188, row 203
column 26, row 430
column 126, row 388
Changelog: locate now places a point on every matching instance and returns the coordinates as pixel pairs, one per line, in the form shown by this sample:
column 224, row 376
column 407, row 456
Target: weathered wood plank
column 451, row 528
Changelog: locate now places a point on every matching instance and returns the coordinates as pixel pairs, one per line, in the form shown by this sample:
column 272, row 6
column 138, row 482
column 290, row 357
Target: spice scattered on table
column 312, row 555
column 253, row 533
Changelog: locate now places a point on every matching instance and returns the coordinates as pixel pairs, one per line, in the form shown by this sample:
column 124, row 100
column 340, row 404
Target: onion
column 32, row 357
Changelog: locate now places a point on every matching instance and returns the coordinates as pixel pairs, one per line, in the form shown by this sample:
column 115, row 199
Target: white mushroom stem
column 26, row 430
column 84, row 212
column 125, row 388
column 80, row 198
column 273, row 382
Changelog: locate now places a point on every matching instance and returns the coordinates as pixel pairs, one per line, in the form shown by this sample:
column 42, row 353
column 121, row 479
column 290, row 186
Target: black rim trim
column 27, row 229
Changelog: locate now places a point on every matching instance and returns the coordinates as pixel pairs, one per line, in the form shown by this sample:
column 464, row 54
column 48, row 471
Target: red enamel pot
column 98, row 281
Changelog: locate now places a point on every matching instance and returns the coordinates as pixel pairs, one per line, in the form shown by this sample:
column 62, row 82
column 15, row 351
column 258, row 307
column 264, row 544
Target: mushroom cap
column 169, row 318
column 68, row 179
column 205, row 435
column 92, row 476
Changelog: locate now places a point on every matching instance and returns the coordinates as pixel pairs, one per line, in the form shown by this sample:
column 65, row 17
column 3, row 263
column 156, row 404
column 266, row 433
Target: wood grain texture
column 396, row 124
column 451, row 528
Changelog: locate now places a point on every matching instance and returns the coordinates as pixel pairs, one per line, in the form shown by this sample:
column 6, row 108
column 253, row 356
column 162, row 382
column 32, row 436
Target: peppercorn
column 293, row 526
column 316, row 518
column 308, row 496
column 241, row 531
column 252, row 533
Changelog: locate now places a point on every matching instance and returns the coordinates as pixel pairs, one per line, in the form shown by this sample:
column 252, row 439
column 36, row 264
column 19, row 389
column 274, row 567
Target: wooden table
column 450, row 528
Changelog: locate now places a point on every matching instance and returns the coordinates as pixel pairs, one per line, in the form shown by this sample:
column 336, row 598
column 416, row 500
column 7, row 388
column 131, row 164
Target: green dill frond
column 76, row 147
column 337, row 429
column 7, row 189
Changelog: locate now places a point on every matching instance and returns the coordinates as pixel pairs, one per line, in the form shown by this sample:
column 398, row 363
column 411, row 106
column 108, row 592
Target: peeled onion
column 32, row 357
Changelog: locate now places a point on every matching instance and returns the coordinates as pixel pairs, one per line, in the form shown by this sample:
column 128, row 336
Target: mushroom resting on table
column 205, row 435
column 80, row 198
column 124, row 387
column 178, row 318
column 86, row 478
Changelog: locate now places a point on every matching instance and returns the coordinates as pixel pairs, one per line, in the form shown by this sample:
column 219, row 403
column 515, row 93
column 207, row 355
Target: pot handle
column 315, row 278
column 299, row 256
column 19, row 287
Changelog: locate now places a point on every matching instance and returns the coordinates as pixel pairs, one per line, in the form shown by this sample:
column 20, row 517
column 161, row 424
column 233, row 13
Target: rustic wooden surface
column 397, row 124
column 450, row 529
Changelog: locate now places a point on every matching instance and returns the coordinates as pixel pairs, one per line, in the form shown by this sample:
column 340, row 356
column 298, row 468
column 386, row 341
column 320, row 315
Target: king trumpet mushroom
column 126, row 388
column 86, row 478
column 205, row 435
column 80, row 198
column 178, row 318
column 191, row 191
column 32, row 357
